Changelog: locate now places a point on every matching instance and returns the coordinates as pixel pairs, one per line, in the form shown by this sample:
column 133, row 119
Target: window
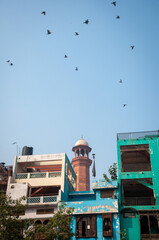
column 107, row 225
column 45, row 211
column 86, row 226
column 149, row 224
column 107, row 193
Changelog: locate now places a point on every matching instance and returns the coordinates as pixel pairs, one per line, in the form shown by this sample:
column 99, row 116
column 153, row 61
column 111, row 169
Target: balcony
column 42, row 200
column 138, row 201
column 38, row 175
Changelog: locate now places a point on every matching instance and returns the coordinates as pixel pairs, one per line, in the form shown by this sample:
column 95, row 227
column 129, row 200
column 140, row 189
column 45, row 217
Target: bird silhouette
column 11, row 64
column 124, row 105
column 76, row 33
column 121, row 81
column 76, row 69
column 8, row 61
column 44, row 13
column 48, row 31
column 114, row 3
column 117, row 17
column 86, row 22
column 132, row 47
column 65, row 56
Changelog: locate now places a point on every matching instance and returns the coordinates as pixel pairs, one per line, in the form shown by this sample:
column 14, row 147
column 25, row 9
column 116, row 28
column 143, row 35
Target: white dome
column 81, row 142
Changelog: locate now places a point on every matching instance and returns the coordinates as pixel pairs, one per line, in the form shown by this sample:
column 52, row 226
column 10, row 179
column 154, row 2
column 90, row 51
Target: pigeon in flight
column 11, row 64
column 86, row 22
column 132, row 47
column 48, row 32
column 76, row 33
column 114, row 3
column 117, row 17
column 65, row 56
column 8, row 61
column 121, row 81
column 44, row 13
column 76, row 69
column 124, row 105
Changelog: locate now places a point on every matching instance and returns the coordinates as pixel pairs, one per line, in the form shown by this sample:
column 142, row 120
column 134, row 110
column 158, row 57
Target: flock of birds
column 77, row 34
column 132, row 47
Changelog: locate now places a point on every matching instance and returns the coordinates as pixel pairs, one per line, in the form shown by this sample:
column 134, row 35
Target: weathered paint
column 90, row 202
column 132, row 225
column 116, row 228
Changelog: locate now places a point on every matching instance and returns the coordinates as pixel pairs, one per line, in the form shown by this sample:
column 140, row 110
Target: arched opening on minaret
column 82, row 152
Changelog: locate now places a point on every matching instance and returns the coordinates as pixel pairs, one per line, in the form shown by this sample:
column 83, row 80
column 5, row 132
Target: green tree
column 58, row 227
column 112, row 171
column 11, row 227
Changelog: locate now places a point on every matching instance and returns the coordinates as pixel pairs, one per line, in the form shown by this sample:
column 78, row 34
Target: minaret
column 81, row 164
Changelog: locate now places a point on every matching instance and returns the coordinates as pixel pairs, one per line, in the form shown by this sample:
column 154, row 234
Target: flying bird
column 76, row 33
column 44, row 13
column 11, row 64
column 48, row 31
column 76, row 69
column 124, row 105
column 86, row 22
column 132, row 47
column 14, row 143
column 8, row 61
column 121, row 81
column 65, row 56
column 117, row 17
column 114, row 3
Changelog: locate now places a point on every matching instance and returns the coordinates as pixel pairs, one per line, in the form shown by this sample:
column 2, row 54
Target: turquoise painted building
column 138, row 165
column 96, row 212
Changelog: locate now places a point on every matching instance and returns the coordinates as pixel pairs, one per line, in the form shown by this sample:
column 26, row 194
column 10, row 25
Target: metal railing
column 54, row 174
column 138, row 201
column 21, row 175
column 42, row 199
column 38, row 175
column 136, row 135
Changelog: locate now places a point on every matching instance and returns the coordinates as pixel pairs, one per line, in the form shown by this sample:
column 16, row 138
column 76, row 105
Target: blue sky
column 48, row 105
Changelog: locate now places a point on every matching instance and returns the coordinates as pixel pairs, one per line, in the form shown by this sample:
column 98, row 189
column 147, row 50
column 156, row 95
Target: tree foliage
column 112, row 171
column 11, row 227
column 58, row 227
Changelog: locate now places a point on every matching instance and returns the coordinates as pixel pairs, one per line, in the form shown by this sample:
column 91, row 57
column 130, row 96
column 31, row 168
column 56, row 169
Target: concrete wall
column 17, row 191
column 132, row 225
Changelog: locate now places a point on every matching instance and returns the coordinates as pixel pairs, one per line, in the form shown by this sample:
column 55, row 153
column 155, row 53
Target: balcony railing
column 42, row 199
column 38, row 175
column 135, row 135
column 138, row 201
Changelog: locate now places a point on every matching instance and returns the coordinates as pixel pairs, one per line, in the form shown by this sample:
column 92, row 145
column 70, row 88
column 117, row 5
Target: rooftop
column 137, row 135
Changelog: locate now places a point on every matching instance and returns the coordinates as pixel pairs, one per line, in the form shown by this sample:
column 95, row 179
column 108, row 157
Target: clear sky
column 48, row 105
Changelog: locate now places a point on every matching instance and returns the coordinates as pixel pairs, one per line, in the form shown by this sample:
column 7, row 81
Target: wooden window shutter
column 93, row 226
column 78, row 227
column 107, row 225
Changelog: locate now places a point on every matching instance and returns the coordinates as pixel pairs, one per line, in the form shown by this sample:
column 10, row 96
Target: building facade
column 44, row 180
column 138, row 164
column 96, row 214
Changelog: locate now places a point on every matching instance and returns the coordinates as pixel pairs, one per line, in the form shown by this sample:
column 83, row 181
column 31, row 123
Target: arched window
column 38, row 222
column 46, row 222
